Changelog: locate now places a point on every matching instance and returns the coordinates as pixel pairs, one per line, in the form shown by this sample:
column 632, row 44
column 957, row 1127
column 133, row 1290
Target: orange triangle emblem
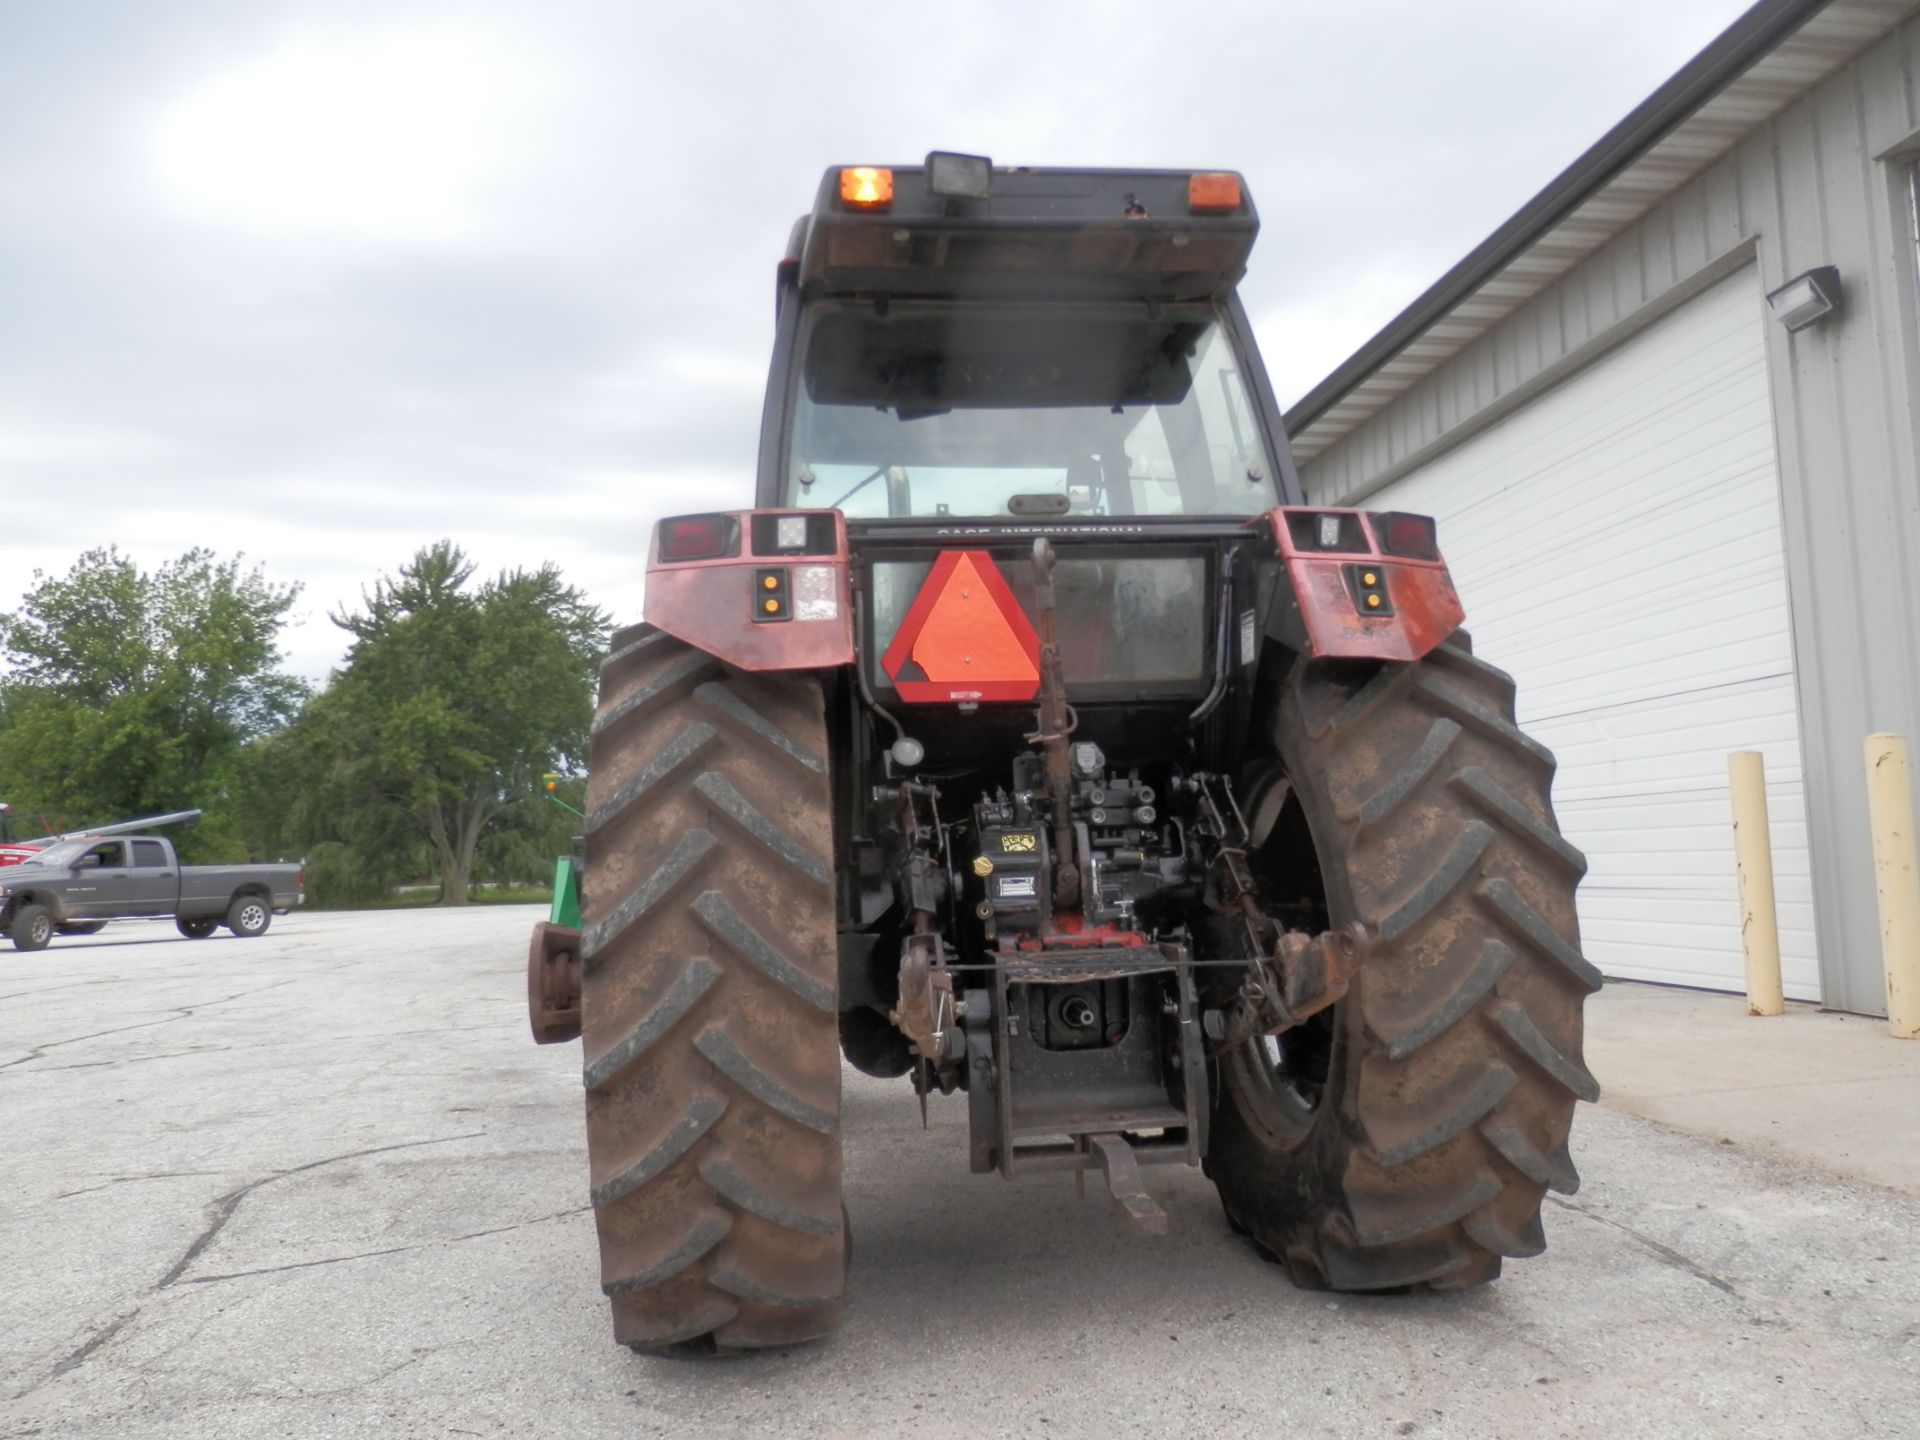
column 964, row 638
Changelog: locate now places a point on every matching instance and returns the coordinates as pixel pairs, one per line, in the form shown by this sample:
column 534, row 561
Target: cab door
column 101, row 887
column 154, row 884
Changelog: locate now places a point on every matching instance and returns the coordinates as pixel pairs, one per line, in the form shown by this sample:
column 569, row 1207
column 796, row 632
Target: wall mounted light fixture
column 1808, row 297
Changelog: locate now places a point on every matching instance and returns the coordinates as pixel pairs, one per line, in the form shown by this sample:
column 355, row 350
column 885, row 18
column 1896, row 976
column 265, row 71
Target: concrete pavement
column 322, row 1183
column 1836, row 1091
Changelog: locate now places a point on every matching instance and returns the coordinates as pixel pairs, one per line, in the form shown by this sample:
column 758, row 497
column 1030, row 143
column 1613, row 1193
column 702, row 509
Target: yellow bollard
column 1753, row 864
column 1896, row 877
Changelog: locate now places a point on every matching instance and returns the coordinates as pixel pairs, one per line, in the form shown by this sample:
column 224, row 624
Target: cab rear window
column 962, row 410
column 1117, row 619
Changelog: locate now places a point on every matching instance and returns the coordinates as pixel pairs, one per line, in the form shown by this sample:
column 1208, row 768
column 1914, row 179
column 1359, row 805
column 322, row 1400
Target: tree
column 299, row 800
column 128, row 692
column 454, row 700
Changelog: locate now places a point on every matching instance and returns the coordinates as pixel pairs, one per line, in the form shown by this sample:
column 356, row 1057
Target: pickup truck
column 74, row 887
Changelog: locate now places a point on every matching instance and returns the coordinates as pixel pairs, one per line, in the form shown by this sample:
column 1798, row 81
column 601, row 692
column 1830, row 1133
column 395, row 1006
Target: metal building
column 1667, row 418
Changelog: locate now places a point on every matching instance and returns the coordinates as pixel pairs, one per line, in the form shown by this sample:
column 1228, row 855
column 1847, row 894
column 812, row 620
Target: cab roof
column 1038, row 234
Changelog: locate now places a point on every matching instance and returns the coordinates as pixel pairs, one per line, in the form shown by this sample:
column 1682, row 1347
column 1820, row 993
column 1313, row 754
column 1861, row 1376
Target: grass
column 428, row 896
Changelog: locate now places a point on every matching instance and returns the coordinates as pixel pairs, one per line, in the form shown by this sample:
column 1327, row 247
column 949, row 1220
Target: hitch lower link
column 928, row 1014
column 1306, row 974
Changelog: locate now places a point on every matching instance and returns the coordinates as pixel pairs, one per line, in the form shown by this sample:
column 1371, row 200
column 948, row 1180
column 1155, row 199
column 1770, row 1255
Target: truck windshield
column 64, row 853
column 958, row 409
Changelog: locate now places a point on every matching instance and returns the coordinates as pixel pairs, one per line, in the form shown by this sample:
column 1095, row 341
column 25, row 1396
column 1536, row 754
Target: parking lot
column 322, row 1183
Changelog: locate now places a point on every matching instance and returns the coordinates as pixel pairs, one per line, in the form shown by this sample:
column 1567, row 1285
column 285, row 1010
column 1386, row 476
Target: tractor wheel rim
column 1279, row 1081
column 1292, row 1088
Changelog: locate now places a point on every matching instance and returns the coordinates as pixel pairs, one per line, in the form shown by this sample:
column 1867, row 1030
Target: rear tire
column 32, row 928
column 1417, row 1145
column 709, row 1004
column 197, row 929
column 248, row 916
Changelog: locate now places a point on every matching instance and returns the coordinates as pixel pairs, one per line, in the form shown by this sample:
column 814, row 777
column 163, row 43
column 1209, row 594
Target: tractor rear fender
column 1360, row 585
column 758, row 589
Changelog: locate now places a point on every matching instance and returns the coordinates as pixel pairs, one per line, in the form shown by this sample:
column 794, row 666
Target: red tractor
column 1034, row 741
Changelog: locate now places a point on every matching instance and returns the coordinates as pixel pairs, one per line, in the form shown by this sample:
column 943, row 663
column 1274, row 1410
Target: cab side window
column 149, row 855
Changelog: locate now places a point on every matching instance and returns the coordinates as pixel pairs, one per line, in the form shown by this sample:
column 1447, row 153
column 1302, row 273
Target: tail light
column 300, row 878
column 697, row 537
column 1414, row 536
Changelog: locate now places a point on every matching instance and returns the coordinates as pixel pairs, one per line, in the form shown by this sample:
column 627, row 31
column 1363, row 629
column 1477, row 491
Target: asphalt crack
column 71, row 985
column 39, row 1050
column 134, row 1059
column 132, row 1179
column 389, row 1250
column 180, row 1012
column 218, row 1214
column 76, row 1358
column 221, row 1211
column 1663, row 1252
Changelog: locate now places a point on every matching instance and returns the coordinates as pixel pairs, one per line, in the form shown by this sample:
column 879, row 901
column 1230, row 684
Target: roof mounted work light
column 959, row 177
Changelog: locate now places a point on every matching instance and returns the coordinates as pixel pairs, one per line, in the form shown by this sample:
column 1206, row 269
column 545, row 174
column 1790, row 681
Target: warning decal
column 964, row 637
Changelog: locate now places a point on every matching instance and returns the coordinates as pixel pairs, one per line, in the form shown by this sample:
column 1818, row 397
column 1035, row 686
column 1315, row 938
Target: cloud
column 1317, row 324
column 387, row 135
column 326, row 281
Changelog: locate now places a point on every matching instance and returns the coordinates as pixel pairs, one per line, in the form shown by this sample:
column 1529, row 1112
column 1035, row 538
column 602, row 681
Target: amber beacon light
column 1211, row 192
column 866, row 187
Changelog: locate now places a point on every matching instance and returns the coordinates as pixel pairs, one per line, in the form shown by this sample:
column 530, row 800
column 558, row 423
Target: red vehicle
column 1033, row 740
column 18, row 852
column 13, row 852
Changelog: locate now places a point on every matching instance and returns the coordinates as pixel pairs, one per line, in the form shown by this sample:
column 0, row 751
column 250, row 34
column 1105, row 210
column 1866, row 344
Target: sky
column 325, row 282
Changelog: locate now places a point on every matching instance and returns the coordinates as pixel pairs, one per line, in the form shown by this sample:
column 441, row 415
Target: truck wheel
column 1409, row 1136
column 80, row 927
column 198, row 929
column 248, row 916
column 710, row 1022
column 32, row 927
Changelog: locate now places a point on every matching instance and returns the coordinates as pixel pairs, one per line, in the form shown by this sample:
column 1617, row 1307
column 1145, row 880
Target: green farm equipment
column 553, row 962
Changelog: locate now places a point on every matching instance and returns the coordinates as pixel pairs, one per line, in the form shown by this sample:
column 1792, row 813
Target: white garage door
column 1617, row 545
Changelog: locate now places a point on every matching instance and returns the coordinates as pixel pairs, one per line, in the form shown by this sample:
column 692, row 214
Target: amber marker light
column 1209, row 193
column 866, row 187
column 769, row 582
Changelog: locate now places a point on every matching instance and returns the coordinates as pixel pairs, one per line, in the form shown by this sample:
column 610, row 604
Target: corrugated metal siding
column 1639, row 664
column 1806, row 189
column 1835, row 34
